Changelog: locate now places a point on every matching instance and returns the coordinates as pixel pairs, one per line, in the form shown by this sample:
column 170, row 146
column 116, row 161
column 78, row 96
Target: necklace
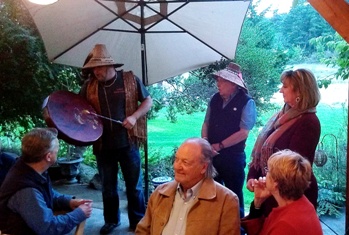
column 106, row 99
column 106, row 86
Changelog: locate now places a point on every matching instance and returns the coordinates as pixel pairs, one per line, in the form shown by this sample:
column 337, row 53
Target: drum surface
column 73, row 117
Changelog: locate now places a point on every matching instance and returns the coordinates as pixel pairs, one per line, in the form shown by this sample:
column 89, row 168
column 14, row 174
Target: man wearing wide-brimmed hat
column 116, row 95
column 230, row 115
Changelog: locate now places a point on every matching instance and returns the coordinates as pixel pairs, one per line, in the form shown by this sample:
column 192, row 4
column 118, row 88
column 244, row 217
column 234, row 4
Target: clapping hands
column 84, row 204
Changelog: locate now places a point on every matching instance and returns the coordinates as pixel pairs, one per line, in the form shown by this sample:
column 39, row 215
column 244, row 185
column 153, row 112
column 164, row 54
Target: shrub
column 329, row 202
column 331, row 176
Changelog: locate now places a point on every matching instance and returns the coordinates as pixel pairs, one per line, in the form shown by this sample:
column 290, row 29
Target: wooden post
column 336, row 13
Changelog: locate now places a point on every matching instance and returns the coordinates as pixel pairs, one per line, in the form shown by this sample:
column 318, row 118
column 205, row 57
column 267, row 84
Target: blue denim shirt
column 30, row 204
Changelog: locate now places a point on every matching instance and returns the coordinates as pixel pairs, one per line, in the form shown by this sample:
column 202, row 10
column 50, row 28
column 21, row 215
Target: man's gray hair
column 207, row 154
column 38, row 142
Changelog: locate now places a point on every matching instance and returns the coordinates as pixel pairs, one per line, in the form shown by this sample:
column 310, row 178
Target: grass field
column 164, row 136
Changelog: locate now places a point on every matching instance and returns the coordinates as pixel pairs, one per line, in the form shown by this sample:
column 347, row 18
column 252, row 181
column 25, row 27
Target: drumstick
column 85, row 111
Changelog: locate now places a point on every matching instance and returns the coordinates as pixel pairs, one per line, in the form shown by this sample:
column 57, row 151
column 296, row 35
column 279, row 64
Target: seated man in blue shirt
column 27, row 200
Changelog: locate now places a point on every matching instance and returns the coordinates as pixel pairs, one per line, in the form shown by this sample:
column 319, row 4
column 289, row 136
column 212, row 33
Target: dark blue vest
column 225, row 121
column 19, row 177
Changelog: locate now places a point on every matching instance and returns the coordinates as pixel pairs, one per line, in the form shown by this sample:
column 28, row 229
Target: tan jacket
column 215, row 211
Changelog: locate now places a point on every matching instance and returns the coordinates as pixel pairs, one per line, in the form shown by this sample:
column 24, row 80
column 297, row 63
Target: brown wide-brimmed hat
column 231, row 73
column 100, row 57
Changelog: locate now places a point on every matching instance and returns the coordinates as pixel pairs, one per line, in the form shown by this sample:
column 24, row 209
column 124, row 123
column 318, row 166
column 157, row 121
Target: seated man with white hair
column 193, row 203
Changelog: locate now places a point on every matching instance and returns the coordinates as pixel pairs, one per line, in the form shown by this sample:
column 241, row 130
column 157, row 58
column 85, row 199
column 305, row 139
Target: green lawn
column 164, row 136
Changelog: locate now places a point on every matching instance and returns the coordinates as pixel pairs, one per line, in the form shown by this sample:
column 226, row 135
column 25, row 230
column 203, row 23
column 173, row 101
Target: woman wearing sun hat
column 230, row 115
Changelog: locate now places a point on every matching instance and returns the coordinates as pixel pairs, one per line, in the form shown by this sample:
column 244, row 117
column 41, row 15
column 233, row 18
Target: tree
column 301, row 24
column 262, row 62
column 26, row 75
column 334, row 51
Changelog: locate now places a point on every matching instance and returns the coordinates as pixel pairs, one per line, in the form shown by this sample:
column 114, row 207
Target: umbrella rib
column 151, row 32
column 198, row 39
column 146, row 30
column 186, row 1
column 117, row 15
column 121, row 16
column 183, row 30
column 137, row 5
column 162, row 15
column 101, row 28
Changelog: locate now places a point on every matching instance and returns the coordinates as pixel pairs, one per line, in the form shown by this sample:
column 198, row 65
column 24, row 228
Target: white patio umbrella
column 155, row 39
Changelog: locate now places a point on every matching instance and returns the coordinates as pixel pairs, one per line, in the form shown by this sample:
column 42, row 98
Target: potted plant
column 70, row 162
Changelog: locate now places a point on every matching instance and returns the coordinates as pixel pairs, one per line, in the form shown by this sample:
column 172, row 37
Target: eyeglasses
column 266, row 170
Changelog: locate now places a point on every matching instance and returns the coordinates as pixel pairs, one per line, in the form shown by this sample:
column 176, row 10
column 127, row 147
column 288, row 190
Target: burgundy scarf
column 275, row 127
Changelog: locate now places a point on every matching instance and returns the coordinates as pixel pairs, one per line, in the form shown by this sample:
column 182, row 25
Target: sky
column 283, row 6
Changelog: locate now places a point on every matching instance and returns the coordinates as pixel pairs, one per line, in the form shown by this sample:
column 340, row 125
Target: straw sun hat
column 100, row 57
column 231, row 73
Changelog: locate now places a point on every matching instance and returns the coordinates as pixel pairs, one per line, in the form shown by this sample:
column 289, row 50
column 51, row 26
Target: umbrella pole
column 146, row 178
column 145, row 82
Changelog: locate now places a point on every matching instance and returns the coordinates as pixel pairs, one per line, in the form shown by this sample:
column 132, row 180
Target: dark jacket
column 303, row 138
column 7, row 160
column 11, row 222
column 226, row 121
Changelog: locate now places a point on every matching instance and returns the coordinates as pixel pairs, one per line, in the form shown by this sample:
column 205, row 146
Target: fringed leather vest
column 138, row 134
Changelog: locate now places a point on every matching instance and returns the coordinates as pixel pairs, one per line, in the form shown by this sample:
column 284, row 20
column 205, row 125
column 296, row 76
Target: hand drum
column 71, row 115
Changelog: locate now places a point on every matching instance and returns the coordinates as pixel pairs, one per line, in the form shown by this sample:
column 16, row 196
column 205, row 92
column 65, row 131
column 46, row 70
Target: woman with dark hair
column 295, row 127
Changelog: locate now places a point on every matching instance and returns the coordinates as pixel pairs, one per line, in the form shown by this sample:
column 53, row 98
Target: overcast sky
column 282, row 5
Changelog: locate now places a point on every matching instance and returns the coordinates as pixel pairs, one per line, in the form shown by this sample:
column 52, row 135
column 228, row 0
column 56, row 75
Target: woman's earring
column 298, row 99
